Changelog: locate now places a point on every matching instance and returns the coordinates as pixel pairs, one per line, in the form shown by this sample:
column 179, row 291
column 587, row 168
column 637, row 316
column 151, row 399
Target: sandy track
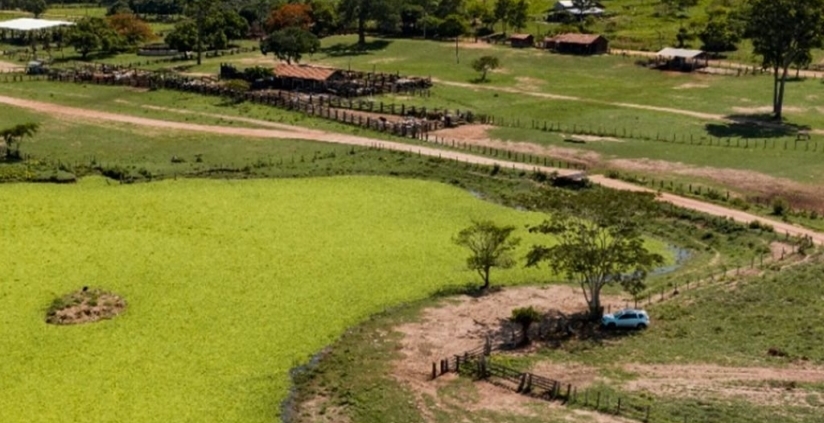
column 288, row 132
column 299, row 133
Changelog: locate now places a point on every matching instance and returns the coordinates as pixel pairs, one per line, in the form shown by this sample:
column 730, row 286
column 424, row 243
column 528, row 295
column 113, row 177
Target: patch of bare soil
column 768, row 187
column 9, row 67
column 579, row 375
column 760, row 385
column 527, row 83
column 462, row 324
column 479, row 45
column 477, row 135
column 84, row 306
column 764, row 109
column 690, row 85
column 591, row 138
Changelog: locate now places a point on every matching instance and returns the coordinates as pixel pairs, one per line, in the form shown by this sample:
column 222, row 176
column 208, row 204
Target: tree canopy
column 783, row 32
column 597, row 241
column 485, row 64
column 290, row 14
column 94, row 34
column 13, row 136
column 290, row 44
column 35, row 7
column 132, row 30
column 721, row 32
column 490, row 246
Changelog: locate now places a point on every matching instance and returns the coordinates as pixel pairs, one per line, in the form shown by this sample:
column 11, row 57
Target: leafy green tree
column 290, row 44
column 325, row 18
column 782, row 32
column 361, row 11
column 502, row 11
column 183, row 37
column 93, row 34
column 525, row 317
column 218, row 28
column 721, row 32
column 452, row 27
column 485, row 64
column 597, row 241
column 35, row 7
column 519, row 15
column 201, row 12
column 490, row 246
column 12, row 137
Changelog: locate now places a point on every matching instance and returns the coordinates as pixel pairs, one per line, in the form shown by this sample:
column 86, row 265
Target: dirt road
column 299, row 133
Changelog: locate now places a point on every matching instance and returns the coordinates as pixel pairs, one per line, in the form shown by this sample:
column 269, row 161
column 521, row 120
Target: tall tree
column 201, row 12
column 361, row 11
column 14, row 135
column 502, row 11
column 519, row 14
column 133, row 30
column 35, row 7
column 290, row 44
column 721, row 32
column 598, row 241
column 290, row 14
column 452, row 27
column 92, row 34
column 489, row 245
column 782, row 32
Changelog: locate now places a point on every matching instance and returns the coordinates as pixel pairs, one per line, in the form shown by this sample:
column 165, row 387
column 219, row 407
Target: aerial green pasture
column 229, row 284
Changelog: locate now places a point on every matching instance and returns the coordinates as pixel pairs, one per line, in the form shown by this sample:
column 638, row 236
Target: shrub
column 780, row 207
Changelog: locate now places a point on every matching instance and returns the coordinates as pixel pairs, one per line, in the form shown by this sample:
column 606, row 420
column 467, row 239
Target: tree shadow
column 753, row 126
column 355, row 49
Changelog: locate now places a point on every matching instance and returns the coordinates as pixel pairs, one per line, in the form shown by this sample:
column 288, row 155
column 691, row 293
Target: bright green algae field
column 229, row 284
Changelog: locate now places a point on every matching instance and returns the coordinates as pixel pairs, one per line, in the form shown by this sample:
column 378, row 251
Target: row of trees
column 113, row 34
column 596, row 241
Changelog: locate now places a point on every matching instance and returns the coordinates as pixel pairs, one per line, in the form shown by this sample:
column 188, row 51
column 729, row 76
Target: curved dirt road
column 299, row 133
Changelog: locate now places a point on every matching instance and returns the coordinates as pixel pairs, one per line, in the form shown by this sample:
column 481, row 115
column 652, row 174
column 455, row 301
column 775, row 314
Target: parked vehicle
column 626, row 319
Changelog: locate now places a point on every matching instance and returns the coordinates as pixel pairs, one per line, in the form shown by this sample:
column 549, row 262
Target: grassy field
column 226, row 289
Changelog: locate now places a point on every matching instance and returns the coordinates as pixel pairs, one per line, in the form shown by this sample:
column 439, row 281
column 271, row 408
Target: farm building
column 568, row 7
column 305, row 77
column 521, row 40
column 681, row 59
column 577, row 44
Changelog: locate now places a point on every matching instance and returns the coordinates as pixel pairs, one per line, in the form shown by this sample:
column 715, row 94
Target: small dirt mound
column 84, row 306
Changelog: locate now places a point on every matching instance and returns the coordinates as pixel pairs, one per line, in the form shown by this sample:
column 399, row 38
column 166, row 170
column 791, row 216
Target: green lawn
column 229, row 284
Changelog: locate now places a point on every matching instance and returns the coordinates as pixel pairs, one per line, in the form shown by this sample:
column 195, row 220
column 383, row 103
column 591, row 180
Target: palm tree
column 14, row 135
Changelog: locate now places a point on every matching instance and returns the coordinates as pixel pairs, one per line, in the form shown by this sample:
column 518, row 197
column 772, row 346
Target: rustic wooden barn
column 305, row 77
column 577, row 44
column 521, row 40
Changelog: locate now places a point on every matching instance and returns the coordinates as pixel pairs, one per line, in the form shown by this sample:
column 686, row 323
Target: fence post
column 434, row 371
column 646, row 415
column 618, row 410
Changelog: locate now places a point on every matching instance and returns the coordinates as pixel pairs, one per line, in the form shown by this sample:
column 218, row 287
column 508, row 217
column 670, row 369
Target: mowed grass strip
column 228, row 284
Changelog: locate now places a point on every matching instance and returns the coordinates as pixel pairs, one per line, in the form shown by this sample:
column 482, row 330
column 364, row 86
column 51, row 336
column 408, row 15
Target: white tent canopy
column 29, row 24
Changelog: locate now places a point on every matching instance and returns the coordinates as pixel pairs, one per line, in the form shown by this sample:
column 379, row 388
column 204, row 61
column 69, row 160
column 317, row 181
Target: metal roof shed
column 682, row 53
column 29, row 24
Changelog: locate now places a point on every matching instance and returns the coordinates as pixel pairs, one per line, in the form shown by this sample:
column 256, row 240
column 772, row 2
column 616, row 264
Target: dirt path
column 287, row 132
column 700, row 115
column 299, row 133
column 9, row 67
column 759, row 385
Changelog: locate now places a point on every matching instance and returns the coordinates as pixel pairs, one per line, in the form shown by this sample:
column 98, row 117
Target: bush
column 780, row 207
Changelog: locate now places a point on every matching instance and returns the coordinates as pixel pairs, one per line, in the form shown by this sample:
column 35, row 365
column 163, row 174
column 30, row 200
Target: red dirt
column 460, row 324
